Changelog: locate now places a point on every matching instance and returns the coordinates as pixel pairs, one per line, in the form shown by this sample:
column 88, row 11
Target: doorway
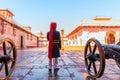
column 21, row 42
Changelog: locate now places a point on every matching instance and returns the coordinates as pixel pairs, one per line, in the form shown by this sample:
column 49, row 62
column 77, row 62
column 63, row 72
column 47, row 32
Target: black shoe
column 56, row 69
column 50, row 70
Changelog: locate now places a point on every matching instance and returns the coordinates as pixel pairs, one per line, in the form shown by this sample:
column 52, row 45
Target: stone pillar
column 41, row 40
column 62, row 39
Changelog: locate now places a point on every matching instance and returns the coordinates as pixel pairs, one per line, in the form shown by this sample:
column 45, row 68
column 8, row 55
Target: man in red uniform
column 53, row 36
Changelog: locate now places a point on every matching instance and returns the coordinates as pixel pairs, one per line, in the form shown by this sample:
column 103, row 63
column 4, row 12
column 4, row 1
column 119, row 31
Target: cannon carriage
column 95, row 55
column 8, row 56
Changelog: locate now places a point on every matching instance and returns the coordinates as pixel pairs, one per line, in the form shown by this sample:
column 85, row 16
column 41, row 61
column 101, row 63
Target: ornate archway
column 110, row 37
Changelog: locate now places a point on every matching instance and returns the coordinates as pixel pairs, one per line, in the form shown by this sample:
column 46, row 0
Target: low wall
column 73, row 47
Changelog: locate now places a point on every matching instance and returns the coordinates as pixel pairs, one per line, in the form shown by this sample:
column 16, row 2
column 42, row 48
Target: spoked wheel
column 8, row 56
column 118, row 60
column 94, row 58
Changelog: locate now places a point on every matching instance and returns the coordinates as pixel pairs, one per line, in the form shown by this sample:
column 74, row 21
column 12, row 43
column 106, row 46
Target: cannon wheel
column 8, row 55
column 118, row 63
column 94, row 58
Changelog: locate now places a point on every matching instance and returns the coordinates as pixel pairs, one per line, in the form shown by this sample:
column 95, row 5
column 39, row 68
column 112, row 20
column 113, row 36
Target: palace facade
column 21, row 35
column 105, row 29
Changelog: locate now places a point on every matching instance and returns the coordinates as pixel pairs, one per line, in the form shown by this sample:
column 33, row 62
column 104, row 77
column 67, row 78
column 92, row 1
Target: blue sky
column 67, row 13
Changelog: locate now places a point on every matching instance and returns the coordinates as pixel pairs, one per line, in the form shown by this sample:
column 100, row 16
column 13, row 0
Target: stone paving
column 32, row 64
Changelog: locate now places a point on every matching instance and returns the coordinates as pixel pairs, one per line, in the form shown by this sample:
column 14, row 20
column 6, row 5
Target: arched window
column 110, row 37
column 14, row 31
column 3, row 27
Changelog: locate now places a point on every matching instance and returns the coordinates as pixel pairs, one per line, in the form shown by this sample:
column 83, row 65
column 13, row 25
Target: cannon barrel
column 111, row 51
column 112, row 46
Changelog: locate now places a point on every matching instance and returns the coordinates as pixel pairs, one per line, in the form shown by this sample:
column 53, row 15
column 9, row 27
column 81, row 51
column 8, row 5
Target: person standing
column 53, row 36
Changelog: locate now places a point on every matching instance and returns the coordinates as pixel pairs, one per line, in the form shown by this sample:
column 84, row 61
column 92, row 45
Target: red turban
column 53, row 26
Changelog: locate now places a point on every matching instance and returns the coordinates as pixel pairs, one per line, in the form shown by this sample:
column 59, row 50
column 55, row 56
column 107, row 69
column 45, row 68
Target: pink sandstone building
column 20, row 34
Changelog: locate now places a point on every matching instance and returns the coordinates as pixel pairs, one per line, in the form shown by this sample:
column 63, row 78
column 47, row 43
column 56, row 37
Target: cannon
column 8, row 56
column 95, row 55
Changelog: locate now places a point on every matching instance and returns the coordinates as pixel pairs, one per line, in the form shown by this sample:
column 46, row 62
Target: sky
column 66, row 13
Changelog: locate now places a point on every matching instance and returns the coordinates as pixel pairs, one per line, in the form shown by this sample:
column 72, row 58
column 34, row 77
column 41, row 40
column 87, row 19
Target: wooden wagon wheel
column 118, row 60
column 94, row 58
column 8, row 56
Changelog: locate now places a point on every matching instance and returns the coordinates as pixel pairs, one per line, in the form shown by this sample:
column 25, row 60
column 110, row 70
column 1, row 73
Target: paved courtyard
column 32, row 64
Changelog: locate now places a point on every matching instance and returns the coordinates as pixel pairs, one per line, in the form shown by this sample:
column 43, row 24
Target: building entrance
column 21, row 42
